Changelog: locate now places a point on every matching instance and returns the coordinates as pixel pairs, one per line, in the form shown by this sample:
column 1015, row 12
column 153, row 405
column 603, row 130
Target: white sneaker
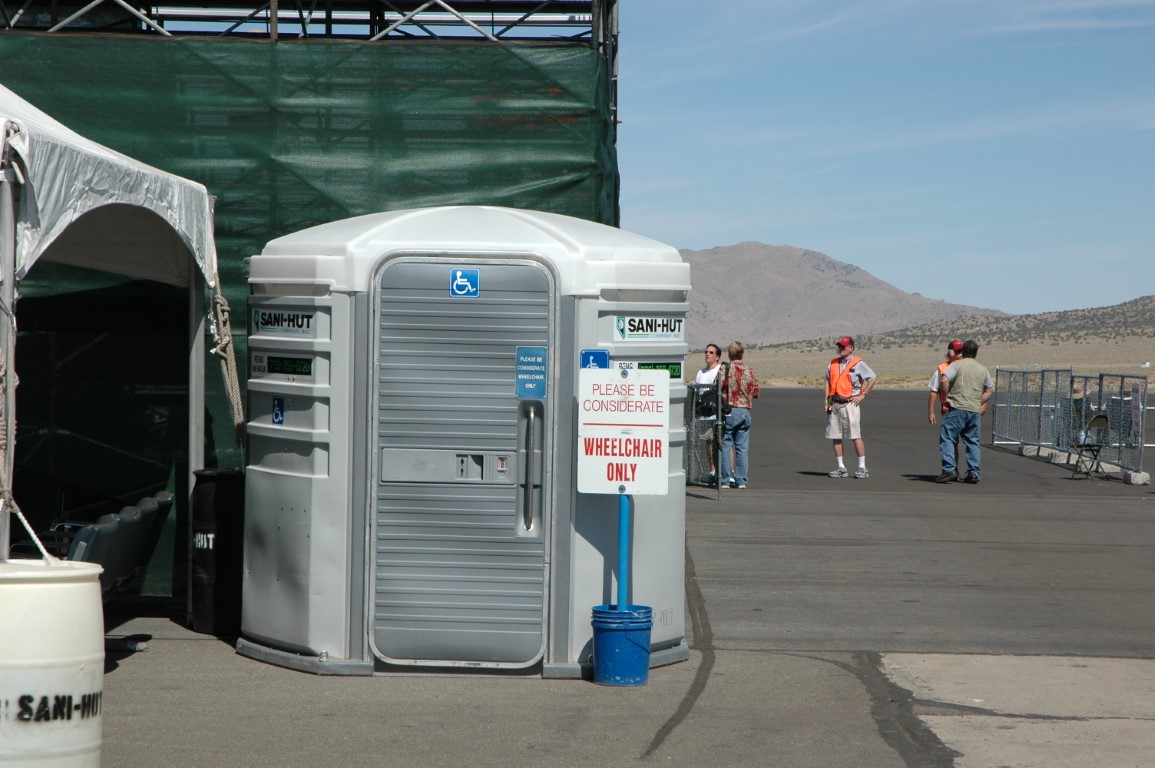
column 840, row 472
column 861, row 473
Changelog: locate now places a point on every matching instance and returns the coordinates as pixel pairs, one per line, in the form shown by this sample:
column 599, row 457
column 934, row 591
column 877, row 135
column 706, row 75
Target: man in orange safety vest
column 848, row 382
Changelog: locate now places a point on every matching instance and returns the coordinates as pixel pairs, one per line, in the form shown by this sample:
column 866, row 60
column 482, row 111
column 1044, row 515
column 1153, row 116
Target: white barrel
column 51, row 664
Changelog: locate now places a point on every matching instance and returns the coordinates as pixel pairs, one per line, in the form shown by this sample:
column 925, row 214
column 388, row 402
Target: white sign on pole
column 623, row 431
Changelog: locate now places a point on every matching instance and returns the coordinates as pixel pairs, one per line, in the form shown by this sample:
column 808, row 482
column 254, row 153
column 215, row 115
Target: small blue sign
column 278, row 410
column 595, row 358
column 464, row 283
column 532, row 372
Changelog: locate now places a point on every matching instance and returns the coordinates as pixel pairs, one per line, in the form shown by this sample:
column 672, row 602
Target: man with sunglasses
column 706, row 378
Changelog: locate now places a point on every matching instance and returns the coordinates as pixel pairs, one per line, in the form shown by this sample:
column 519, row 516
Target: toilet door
column 459, row 532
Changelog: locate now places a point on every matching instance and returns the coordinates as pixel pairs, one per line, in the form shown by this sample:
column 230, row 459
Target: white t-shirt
column 707, row 375
column 934, row 380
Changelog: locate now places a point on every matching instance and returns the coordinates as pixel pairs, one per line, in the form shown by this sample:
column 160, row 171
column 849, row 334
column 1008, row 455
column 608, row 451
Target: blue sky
column 999, row 154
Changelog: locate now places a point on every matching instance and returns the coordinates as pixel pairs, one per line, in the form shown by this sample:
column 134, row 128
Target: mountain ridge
column 787, row 295
column 1116, row 322
column 1131, row 322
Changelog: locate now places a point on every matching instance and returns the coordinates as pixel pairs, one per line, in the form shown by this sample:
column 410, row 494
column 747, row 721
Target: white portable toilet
column 411, row 483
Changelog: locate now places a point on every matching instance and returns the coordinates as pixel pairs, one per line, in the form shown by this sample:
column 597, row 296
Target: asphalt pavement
column 874, row 623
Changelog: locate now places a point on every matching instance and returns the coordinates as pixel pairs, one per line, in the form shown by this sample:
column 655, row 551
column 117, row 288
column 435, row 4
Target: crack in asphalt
column 944, row 708
column 704, row 644
column 892, row 708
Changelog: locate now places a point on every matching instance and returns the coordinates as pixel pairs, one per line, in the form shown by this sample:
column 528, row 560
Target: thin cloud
column 1071, row 16
column 1084, row 116
column 736, row 26
column 1071, row 25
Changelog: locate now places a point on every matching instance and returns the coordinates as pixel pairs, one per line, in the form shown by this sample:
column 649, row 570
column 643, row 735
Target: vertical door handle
column 527, row 515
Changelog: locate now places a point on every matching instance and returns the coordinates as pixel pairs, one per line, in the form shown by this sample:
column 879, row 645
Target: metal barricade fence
column 703, row 435
column 1027, row 405
column 1123, row 398
column 1048, row 408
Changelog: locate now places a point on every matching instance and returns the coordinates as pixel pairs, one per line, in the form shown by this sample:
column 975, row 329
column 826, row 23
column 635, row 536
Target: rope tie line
column 226, row 352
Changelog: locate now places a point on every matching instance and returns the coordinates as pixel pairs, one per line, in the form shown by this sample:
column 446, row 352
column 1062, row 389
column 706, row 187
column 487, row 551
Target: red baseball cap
column 954, row 346
column 847, row 341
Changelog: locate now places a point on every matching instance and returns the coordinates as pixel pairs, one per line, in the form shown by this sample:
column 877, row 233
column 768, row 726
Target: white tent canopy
column 67, row 199
column 75, row 192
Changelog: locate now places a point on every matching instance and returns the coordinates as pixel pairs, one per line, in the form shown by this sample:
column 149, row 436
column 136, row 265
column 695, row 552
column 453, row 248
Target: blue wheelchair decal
column 464, row 283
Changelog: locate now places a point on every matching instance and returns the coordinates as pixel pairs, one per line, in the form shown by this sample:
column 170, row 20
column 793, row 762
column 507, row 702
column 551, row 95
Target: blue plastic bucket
column 622, row 644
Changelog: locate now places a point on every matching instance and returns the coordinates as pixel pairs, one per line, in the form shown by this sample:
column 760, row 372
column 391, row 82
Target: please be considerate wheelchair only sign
column 623, row 431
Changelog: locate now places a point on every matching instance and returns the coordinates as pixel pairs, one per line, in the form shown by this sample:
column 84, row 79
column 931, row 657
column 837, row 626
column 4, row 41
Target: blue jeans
column 736, row 435
column 957, row 423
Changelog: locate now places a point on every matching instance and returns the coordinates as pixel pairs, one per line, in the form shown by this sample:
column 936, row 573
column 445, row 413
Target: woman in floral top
column 739, row 390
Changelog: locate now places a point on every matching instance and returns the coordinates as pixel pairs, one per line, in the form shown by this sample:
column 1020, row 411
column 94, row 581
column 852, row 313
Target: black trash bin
column 218, row 529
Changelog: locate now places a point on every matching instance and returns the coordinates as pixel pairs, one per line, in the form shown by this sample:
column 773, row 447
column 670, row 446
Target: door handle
column 527, row 507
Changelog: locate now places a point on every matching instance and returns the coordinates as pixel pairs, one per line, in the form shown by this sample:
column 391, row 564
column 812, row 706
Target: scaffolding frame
column 377, row 20
column 589, row 22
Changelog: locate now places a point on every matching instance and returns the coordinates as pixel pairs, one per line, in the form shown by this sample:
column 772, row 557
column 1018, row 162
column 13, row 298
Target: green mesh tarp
column 290, row 134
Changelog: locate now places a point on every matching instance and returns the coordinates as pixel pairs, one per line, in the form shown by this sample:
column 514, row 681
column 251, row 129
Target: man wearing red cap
column 937, row 403
column 848, row 382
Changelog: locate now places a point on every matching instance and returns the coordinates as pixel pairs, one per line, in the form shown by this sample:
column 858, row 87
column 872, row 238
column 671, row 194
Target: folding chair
column 99, row 543
column 133, row 533
column 1088, row 444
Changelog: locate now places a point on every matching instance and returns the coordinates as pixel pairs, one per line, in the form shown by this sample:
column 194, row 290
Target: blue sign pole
column 623, row 551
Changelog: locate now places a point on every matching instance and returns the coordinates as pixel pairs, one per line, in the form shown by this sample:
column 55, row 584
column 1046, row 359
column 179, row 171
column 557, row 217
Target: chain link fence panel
column 1049, row 409
column 703, row 435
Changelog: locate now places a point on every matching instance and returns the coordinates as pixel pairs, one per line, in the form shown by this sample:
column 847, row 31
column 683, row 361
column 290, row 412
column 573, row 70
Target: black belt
column 837, row 399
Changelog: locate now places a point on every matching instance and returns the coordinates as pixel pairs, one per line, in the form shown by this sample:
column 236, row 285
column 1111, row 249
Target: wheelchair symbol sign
column 464, row 283
column 595, row 358
column 278, row 410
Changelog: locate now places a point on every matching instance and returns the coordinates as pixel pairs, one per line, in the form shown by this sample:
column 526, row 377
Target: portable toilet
column 410, row 488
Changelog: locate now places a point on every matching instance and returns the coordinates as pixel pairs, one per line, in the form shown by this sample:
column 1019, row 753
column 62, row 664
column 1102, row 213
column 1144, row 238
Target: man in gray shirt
column 968, row 387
